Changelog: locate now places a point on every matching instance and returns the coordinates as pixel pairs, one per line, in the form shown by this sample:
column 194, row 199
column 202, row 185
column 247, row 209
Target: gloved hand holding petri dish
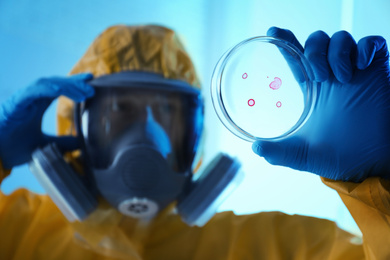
column 263, row 89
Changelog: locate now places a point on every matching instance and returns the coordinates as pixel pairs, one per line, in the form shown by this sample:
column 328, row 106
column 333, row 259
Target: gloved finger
column 64, row 143
column 81, row 77
column 316, row 50
column 369, row 47
column 288, row 36
column 80, row 81
column 290, row 152
column 49, row 89
column 341, row 55
column 74, row 87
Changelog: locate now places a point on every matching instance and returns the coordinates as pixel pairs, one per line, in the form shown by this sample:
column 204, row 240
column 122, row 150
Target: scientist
column 134, row 97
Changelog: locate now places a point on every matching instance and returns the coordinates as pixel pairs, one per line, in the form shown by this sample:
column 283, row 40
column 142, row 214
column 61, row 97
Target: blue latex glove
column 21, row 117
column 347, row 136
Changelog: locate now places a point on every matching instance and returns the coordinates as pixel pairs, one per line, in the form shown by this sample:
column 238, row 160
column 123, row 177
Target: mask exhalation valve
column 138, row 207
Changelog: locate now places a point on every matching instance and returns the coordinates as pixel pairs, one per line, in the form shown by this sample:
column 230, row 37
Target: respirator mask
column 139, row 135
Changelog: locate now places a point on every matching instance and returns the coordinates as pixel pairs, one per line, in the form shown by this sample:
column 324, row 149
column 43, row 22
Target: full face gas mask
column 139, row 136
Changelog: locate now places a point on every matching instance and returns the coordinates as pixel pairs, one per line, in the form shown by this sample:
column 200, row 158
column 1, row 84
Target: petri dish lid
column 263, row 89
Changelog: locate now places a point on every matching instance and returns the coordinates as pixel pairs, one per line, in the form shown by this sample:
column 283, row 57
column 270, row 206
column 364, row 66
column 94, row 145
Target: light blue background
column 41, row 38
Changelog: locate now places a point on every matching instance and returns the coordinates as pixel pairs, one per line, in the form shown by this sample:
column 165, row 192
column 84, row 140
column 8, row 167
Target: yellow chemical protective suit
column 33, row 228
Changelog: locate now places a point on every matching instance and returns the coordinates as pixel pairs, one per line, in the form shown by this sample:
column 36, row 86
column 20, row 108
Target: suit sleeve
column 369, row 204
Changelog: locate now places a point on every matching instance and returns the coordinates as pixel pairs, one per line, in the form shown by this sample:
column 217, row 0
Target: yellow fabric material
column 369, row 204
column 33, row 228
column 148, row 48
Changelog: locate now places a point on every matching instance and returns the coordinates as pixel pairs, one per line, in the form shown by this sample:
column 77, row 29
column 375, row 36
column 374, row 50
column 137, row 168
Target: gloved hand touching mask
column 347, row 136
column 21, row 117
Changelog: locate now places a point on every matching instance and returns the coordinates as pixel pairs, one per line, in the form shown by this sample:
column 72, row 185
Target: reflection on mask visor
column 169, row 121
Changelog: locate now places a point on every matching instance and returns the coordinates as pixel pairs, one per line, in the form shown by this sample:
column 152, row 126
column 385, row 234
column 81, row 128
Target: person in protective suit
column 135, row 94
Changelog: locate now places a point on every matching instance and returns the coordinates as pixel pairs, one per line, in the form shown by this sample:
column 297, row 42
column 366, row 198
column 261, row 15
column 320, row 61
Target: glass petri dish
column 263, row 89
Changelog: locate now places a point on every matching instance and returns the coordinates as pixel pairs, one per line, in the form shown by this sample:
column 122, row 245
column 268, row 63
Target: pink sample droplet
column 251, row 102
column 244, row 76
column 278, row 104
column 276, row 83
